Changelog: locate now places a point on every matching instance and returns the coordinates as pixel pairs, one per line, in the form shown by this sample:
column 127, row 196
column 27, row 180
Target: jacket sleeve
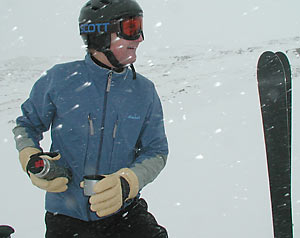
column 37, row 113
column 152, row 148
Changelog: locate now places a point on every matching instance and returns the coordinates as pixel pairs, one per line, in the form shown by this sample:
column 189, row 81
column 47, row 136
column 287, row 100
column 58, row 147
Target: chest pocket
column 125, row 136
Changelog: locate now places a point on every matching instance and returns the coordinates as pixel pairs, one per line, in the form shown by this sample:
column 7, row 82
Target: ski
column 288, row 76
column 274, row 86
column 6, row 231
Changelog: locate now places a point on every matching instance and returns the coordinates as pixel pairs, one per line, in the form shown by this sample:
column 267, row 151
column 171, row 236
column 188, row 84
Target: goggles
column 128, row 28
column 131, row 28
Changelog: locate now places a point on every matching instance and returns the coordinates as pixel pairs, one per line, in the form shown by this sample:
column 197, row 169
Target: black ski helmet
column 99, row 14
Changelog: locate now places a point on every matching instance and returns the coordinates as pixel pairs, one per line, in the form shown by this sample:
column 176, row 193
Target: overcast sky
column 41, row 28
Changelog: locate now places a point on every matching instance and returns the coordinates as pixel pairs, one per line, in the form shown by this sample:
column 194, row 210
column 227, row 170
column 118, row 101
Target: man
column 105, row 119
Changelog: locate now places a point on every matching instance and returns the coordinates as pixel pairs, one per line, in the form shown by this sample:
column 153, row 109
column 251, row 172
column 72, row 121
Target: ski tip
column 6, row 231
column 266, row 54
column 286, row 64
column 265, row 59
column 283, row 57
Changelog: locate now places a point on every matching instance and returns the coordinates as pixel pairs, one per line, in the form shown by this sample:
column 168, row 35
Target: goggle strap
column 113, row 27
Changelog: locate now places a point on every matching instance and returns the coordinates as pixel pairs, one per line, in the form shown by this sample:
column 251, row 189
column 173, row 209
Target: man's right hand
column 54, row 186
column 57, row 185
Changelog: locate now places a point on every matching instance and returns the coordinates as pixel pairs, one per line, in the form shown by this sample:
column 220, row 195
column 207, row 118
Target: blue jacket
column 101, row 121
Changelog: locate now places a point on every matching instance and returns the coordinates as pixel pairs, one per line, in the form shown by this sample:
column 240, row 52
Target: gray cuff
column 21, row 138
column 149, row 169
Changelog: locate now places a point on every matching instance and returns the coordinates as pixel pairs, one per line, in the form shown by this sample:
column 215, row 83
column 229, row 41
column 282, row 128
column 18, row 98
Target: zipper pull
column 109, row 81
column 92, row 132
column 115, row 130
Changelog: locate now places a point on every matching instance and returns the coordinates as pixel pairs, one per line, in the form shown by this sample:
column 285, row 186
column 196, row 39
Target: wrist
column 125, row 188
column 130, row 177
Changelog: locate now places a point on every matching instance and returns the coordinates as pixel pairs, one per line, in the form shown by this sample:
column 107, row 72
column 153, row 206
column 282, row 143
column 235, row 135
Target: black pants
column 134, row 222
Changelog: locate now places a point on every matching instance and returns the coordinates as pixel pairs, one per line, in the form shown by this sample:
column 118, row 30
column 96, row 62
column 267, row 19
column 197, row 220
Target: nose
column 140, row 39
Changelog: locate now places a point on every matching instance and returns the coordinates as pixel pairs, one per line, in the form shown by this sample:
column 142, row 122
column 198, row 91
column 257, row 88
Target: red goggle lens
column 132, row 27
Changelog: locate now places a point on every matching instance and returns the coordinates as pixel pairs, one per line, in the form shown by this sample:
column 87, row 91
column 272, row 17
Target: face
column 124, row 50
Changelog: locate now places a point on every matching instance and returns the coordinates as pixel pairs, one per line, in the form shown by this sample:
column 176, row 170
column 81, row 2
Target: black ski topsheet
column 288, row 76
column 272, row 85
column 6, row 231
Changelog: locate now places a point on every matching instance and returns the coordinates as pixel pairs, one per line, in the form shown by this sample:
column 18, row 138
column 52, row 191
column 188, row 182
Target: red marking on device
column 39, row 164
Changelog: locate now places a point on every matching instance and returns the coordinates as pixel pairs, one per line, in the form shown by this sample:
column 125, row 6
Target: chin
column 129, row 61
column 132, row 61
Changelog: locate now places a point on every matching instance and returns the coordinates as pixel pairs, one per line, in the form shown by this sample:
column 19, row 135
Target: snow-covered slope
column 215, row 183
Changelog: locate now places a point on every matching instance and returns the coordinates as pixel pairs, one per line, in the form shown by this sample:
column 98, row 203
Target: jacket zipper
column 107, row 90
column 91, row 132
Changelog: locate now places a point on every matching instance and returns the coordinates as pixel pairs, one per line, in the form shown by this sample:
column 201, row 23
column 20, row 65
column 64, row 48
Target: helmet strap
column 112, row 59
column 133, row 71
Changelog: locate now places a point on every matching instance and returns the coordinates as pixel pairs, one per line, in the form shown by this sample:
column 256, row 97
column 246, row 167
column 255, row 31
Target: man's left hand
column 112, row 191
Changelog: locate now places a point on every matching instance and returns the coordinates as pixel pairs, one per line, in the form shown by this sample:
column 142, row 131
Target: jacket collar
column 96, row 68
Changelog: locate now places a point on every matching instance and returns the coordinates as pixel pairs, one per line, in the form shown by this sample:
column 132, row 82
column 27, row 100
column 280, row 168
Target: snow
column 202, row 57
column 215, row 182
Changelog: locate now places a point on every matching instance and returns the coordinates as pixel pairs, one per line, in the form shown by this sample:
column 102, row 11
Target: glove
column 56, row 185
column 113, row 191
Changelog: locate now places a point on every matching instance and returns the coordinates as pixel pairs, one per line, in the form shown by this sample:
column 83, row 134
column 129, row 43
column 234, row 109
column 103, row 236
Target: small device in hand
column 47, row 169
column 89, row 182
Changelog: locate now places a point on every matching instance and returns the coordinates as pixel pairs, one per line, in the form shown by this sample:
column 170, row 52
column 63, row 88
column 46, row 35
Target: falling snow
column 219, row 130
column 217, row 84
column 158, row 24
column 214, row 130
column 199, row 157
column 85, row 85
